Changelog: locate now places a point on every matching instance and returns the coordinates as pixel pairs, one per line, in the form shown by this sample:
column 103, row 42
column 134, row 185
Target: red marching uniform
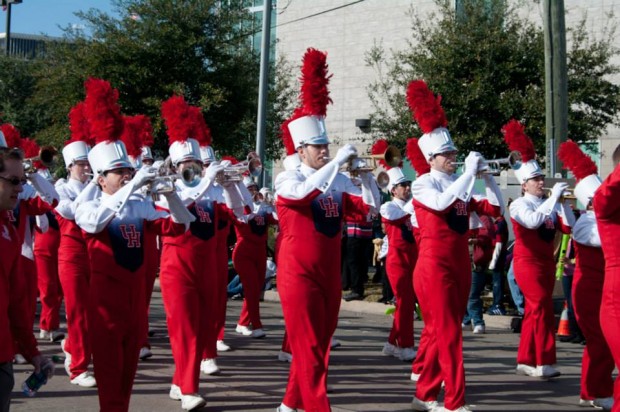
column 606, row 203
column 399, row 264
column 597, row 364
column 442, row 276
column 311, row 206
column 250, row 260
column 535, row 221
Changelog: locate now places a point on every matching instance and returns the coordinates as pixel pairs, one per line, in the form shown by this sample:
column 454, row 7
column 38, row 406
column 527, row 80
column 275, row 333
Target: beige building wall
column 347, row 31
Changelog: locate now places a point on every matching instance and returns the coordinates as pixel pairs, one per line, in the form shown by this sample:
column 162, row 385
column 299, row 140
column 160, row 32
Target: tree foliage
column 487, row 63
column 152, row 50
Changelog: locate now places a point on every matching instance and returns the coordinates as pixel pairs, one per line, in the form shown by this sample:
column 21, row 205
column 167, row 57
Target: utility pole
column 263, row 87
column 7, row 39
column 556, row 88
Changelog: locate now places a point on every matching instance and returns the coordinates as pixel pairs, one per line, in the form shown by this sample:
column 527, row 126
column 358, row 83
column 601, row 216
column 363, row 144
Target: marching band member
column 311, row 203
column 443, row 202
column 400, row 262
column 535, row 221
column 606, row 203
column 250, row 259
column 14, row 323
column 73, row 267
column 116, row 224
column 597, row 364
column 188, row 265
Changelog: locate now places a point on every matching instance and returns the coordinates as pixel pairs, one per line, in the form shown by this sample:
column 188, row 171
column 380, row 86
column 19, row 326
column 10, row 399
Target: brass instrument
column 368, row 163
column 493, row 166
column 46, row 157
column 567, row 195
column 164, row 182
column 252, row 166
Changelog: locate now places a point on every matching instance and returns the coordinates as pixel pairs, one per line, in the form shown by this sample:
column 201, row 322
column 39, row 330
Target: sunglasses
column 15, row 181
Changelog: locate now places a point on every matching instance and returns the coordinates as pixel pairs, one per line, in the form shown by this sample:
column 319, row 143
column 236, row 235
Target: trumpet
column 493, row 166
column 46, row 157
column 569, row 194
column 252, row 166
column 368, row 163
column 164, row 182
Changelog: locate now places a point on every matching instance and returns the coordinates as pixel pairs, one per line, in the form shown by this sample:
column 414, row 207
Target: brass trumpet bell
column 46, row 157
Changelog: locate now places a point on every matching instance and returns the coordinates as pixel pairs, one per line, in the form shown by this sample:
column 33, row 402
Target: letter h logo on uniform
column 329, row 206
column 203, row 215
column 131, row 235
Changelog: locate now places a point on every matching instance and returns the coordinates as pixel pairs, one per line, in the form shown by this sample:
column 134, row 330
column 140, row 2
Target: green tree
column 487, row 63
column 156, row 48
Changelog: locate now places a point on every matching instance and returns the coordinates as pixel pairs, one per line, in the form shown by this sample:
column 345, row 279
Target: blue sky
column 45, row 16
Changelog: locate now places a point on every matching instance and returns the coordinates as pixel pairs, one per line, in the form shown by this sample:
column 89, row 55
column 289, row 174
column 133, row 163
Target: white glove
column 558, row 190
column 345, row 153
column 144, row 175
column 215, row 168
column 472, row 162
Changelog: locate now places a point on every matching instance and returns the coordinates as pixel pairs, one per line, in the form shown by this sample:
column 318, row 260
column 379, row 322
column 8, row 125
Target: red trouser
column 250, row 260
column 74, row 276
column 286, row 346
column 536, row 281
column 597, row 364
column 151, row 262
column 116, row 320
column 401, row 280
column 310, row 303
column 443, row 287
column 186, row 278
column 610, row 319
column 221, row 288
column 50, row 292
column 29, row 270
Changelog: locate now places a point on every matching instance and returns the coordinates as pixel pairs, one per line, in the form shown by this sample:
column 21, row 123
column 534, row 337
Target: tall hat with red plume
column 430, row 116
column 145, row 134
column 518, row 141
column 11, row 137
column 76, row 148
column 309, row 127
column 583, row 168
column 132, row 138
column 105, row 125
column 202, row 134
column 292, row 160
column 178, row 119
column 416, row 157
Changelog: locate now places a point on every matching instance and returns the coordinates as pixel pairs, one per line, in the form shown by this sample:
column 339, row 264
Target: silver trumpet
column 369, row 163
column 234, row 173
column 164, row 182
column 46, row 157
column 493, row 166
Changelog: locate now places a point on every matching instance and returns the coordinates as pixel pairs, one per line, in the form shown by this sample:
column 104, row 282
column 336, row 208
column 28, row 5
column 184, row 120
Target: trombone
column 46, row 157
column 493, row 166
column 252, row 166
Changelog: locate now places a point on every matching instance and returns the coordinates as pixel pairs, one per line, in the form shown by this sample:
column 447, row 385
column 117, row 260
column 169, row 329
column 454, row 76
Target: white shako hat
column 110, row 155
column 436, row 142
column 291, row 162
column 396, row 176
column 527, row 170
column 207, row 155
column 2, row 140
column 248, row 181
column 181, row 151
column 584, row 190
column 308, row 130
column 136, row 162
column 74, row 152
column 147, row 153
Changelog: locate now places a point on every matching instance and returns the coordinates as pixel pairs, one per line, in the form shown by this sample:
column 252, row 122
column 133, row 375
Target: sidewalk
column 363, row 379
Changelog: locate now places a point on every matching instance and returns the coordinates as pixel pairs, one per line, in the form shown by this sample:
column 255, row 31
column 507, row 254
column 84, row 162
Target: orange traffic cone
column 563, row 327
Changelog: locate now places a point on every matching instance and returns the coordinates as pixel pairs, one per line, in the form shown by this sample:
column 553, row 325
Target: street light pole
column 263, row 86
column 7, row 39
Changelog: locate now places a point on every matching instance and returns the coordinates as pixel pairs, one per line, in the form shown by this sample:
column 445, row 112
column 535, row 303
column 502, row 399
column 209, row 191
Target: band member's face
column 253, row 189
column 13, row 173
column 535, row 186
column 188, row 164
column 115, row 179
column 314, row 155
column 444, row 162
column 402, row 191
column 80, row 170
column 148, row 162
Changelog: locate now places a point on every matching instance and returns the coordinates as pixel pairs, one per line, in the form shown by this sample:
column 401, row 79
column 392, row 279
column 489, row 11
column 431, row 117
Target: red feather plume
column 416, row 157
column 233, row 160
column 11, row 135
column 102, row 111
column 314, row 80
column 32, row 149
column 580, row 164
column 131, row 136
column 426, row 108
column 175, row 112
column 517, row 140
column 145, row 130
column 285, row 133
column 78, row 126
column 378, row 148
column 201, row 131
